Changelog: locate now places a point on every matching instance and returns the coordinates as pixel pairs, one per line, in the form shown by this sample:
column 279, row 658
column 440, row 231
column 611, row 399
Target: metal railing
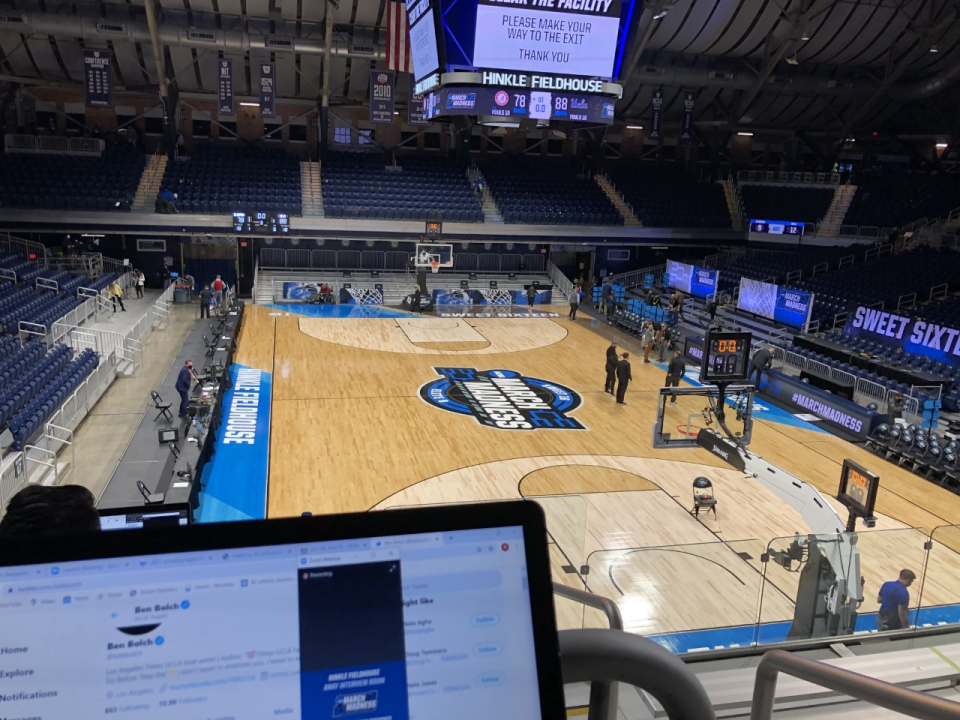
column 787, row 178
column 634, row 278
column 892, row 697
column 28, row 248
column 53, row 144
column 561, row 281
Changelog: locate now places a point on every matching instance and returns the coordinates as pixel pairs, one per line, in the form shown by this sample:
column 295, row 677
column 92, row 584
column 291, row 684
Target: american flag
column 398, row 38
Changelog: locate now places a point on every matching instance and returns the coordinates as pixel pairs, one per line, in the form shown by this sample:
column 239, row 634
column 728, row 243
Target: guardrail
column 53, row 144
column 892, row 697
column 35, row 252
column 791, row 178
column 560, row 281
column 634, row 278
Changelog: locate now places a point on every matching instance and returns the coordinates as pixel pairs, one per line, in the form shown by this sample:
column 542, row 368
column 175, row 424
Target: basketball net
column 434, row 266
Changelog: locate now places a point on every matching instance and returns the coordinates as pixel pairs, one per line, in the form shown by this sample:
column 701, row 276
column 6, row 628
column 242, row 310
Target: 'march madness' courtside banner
column 910, row 334
column 503, row 399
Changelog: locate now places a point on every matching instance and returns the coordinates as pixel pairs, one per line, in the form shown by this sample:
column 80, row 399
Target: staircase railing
column 892, row 697
column 561, row 281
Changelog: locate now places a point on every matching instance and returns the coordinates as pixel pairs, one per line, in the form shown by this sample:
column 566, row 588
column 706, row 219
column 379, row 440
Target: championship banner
column 98, row 78
column 382, row 96
column 225, row 87
column 686, row 123
column 656, row 119
column 415, row 111
column 268, row 86
column 910, row 334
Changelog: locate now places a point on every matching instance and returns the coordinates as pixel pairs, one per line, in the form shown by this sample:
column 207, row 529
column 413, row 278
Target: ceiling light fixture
column 250, row 104
column 793, row 60
column 662, row 12
column 941, row 146
column 634, row 127
column 933, row 48
column 804, row 37
column 851, row 140
column 745, row 134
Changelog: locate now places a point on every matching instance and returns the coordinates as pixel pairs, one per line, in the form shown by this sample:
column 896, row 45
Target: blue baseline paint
column 761, row 410
column 234, row 482
column 339, row 311
column 769, row 633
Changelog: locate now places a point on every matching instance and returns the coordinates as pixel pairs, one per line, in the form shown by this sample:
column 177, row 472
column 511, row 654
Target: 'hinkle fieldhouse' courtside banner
column 911, row 334
column 268, row 87
column 686, row 123
column 225, row 87
column 656, row 118
column 98, row 78
column 382, row 96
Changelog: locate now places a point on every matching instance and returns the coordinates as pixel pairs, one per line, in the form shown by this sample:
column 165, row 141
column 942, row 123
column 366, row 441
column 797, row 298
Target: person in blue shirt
column 184, row 381
column 894, row 601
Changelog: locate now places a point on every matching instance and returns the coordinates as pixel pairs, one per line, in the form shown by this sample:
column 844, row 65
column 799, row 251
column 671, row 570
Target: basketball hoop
column 694, row 430
column 434, row 266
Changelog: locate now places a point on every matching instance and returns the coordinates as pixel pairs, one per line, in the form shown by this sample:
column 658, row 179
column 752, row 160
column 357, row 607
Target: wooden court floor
column 350, row 432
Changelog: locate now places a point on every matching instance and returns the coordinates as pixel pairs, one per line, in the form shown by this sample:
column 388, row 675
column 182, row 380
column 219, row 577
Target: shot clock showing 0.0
column 727, row 357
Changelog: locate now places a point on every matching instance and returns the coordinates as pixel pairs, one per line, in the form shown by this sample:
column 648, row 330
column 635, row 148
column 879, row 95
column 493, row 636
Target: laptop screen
column 432, row 625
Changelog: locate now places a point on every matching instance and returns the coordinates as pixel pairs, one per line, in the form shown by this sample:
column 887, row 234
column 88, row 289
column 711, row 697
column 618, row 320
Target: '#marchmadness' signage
column 912, row 335
column 503, row 399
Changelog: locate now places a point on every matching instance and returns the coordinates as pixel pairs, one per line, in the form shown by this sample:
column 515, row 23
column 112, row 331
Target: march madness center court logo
column 503, row 399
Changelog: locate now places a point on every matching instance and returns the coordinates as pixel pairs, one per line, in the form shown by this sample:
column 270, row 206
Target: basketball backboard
column 428, row 253
column 678, row 422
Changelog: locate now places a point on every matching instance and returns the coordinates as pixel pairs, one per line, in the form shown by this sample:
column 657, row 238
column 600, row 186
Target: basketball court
column 371, row 413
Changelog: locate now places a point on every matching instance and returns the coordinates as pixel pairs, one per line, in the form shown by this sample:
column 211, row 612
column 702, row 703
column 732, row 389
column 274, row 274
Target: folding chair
column 211, row 345
column 158, row 404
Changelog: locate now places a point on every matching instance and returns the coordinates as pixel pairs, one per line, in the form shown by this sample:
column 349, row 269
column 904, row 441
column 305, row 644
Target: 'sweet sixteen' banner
column 912, row 335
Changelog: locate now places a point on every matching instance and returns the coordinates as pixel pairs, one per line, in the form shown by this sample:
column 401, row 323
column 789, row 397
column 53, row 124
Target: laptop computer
column 440, row 612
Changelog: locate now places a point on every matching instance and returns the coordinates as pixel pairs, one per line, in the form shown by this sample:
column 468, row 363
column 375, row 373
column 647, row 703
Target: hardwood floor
column 350, row 432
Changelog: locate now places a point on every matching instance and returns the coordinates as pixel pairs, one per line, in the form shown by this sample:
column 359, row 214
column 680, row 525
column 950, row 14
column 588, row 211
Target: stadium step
column 311, row 189
column 842, row 197
column 733, row 202
column 491, row 211
column 623, row 207
column 149, row 186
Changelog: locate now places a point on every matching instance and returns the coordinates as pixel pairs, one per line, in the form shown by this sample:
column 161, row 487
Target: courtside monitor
column 858, row 489
column 139, row 517
column 431, row 613
column 728, row 357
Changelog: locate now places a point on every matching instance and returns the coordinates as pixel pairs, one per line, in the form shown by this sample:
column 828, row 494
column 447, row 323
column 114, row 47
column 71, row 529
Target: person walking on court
column 138, row 280
column 675, row 371
column 894, row 602
column 611, row 368
column 531, row 295
column 206, row 296
column 646, row 339
column 762, row 359
column 663, row 336
column 574, row 300
column 623, row 377
column 184, row 381
column 218, row 288
column 116, row 295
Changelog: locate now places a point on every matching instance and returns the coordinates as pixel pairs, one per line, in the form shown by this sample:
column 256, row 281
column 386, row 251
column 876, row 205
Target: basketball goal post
column 433, row 256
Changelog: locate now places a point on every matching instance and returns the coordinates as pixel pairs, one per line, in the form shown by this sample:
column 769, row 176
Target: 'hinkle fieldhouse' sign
column 911, row 334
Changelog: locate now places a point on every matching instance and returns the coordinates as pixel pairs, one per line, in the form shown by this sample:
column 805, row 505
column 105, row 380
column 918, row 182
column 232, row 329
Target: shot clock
column 858, row 489
column 727, row 357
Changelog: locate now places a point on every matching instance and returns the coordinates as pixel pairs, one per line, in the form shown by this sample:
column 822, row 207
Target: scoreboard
column 777, row 227
column 261, row 221
column 518, row 103
column 858, row 489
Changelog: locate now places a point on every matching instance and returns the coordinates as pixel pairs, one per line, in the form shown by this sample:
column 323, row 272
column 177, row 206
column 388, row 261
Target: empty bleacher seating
column 220, row 180
column 68, row 182
column 776, row 202
column 548, row 194
column 667, row 197
column 48, row 395
column 893, row 201
column 361, row 185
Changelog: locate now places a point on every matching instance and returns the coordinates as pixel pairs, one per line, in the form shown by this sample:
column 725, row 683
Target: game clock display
column 858, row 489
column 777, row 227
column 728, row 357
column 266, row 222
